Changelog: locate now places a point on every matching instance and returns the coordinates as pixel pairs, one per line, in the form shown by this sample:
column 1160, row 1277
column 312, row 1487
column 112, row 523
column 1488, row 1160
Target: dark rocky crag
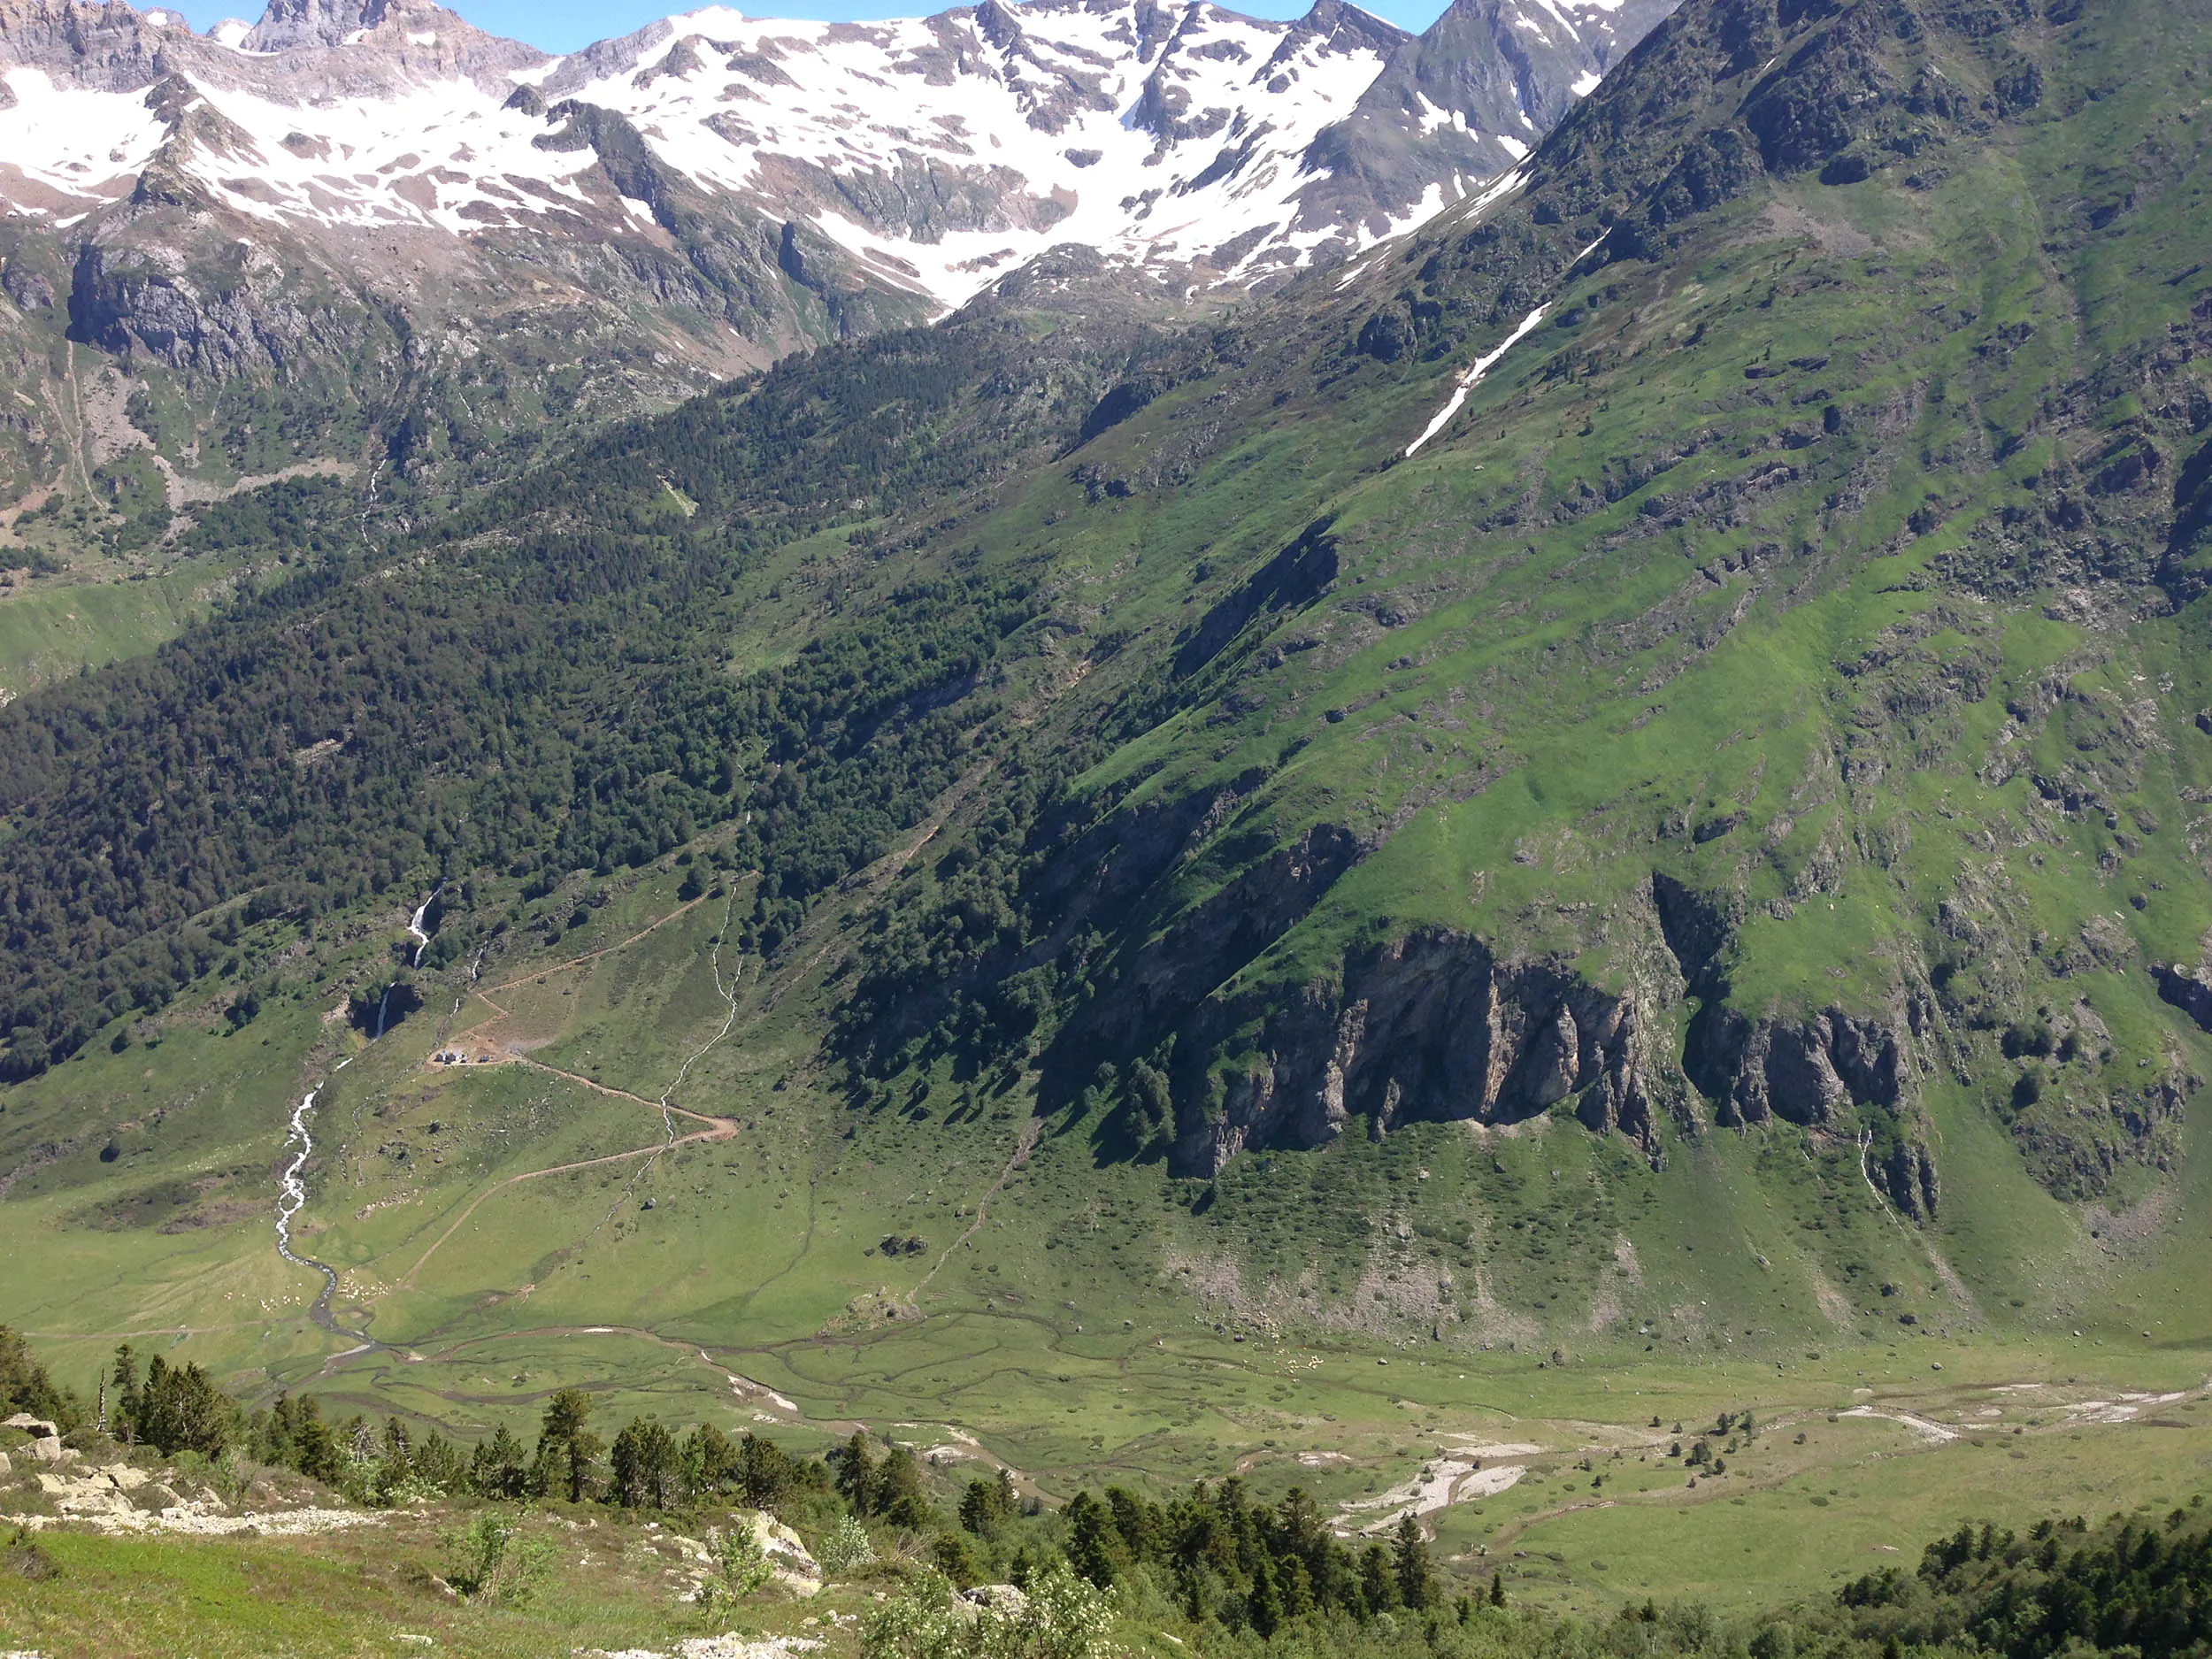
column 1431, row 1028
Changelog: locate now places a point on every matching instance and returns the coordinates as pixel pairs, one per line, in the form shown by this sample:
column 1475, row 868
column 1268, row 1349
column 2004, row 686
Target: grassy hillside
column 1086, row 889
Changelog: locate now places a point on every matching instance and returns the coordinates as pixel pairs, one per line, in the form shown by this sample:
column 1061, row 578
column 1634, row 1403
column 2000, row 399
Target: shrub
column 495, row 1560
column 848, row 1547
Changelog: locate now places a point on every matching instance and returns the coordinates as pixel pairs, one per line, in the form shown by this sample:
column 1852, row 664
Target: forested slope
column 1770, row 692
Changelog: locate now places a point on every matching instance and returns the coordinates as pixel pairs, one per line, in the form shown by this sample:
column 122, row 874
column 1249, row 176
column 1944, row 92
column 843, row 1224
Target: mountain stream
column 292, row 1194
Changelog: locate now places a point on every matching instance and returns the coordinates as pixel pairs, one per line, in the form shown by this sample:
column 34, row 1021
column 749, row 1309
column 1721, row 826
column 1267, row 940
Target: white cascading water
column 414, row 927
column 293, row 1198
column 292, row 1195
column 422, row 943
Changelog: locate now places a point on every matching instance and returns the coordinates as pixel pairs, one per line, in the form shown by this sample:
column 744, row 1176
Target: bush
column 741, row 1567
column 1064, row 1617
column 24, row 1559
column 494, row 1560
column 846, row 1547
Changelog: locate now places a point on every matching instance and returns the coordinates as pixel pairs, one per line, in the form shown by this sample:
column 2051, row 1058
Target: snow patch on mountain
column 82, row 144
column 938, row 152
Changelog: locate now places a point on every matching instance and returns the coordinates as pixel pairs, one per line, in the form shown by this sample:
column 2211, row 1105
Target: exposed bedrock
column 1808, row 1072
column 1433, row 1027
column 2188, row 985
column 133, row 300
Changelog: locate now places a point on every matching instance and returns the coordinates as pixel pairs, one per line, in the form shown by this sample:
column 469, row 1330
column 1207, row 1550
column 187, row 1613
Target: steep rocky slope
column 1759, row 689
column 377, row 219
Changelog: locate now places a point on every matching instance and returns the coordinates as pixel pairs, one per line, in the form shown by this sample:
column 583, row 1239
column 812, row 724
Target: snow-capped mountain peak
column 936, row 152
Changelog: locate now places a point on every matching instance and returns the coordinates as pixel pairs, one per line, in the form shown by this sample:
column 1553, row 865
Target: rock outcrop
column 2188, row 985
column 1906, row 1175
column 1808, row 1072
column 1433, row 1027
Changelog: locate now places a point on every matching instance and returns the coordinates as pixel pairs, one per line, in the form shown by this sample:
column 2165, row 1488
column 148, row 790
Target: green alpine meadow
column 1477, row 925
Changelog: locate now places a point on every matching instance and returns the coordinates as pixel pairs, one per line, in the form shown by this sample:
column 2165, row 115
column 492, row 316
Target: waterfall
column 422, row 943
column 414, row 927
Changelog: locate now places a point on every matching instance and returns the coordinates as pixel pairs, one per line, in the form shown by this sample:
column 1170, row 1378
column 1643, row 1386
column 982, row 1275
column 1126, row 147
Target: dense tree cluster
column 647, row 1464
column 898, row 420
column 298, row 516
column 173, row 1408
column 2134, row 1586
column 534, row 681
column 322, row 744
column 1245, row 1564
column 889, row 1488
column 948, row 960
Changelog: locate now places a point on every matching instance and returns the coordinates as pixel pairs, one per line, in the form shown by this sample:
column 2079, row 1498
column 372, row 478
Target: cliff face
column 1810, row 1072
column 1432, row 1027
column 238, row 318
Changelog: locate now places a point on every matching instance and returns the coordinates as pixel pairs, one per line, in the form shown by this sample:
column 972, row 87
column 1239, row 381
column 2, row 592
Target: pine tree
column 643, row 1463
column 1416, row 1580
column 980, row 1510
column 565, row 1447
column 857, row 1474
column 126, row 1380
column 1378, row 1585
column 320, row 1455
column 494, row 1465
column 625, row 1466
column 1262, row 1605
column 710, row 1461
column 437, row 1466
column 1294, row 1584
column 1134, row 1521
column 765, row 1472
column 1497, row 1588
column 900, row 1496
column 1090, row 1531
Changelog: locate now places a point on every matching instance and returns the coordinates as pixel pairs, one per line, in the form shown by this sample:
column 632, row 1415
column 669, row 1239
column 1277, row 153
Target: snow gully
column 1482, row 365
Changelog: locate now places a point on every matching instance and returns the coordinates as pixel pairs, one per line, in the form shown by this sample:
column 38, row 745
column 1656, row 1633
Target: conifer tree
column 1262, row 1605
column 1410, row 1563
column 1090, row 1531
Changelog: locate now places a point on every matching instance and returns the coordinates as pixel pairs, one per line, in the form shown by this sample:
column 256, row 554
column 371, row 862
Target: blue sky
column 562, row 26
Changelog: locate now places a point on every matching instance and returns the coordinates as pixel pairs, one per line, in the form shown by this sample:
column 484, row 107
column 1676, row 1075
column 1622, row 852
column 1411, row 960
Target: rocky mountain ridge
column 375, row 208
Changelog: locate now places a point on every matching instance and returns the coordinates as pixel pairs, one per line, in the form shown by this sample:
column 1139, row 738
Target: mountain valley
column 1585, row 808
